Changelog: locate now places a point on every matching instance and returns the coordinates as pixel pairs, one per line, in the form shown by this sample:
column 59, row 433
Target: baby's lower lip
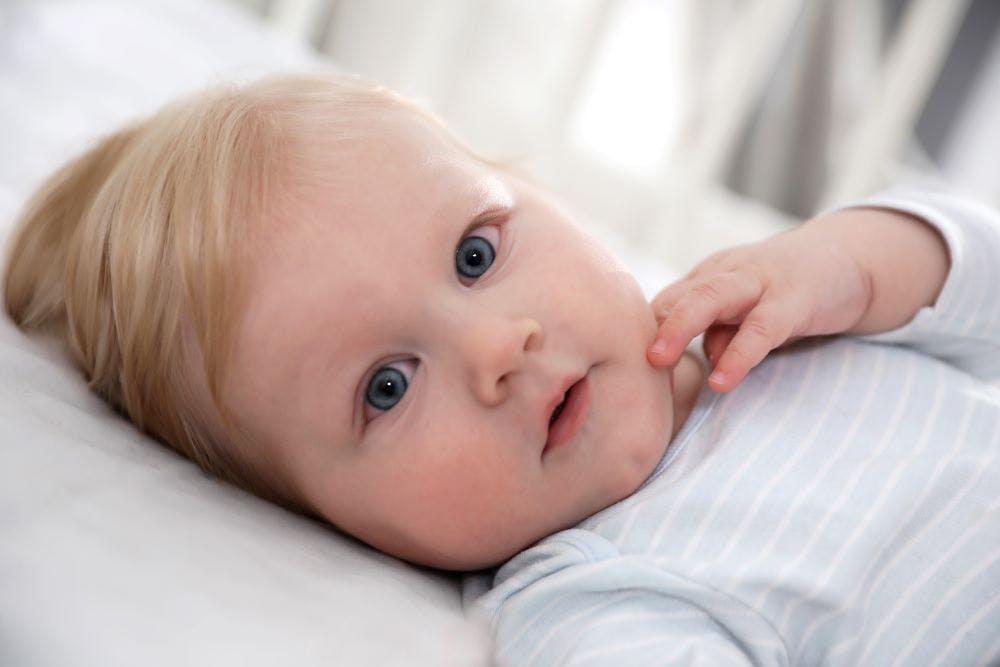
column 572, row 416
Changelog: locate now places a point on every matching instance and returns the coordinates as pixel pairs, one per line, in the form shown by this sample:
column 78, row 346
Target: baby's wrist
column 902, row 258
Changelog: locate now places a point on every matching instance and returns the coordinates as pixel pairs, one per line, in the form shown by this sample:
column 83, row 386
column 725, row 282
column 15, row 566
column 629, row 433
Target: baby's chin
column 466, row 554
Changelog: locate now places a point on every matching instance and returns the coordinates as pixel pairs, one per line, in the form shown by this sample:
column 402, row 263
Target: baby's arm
column 962, row 326
column 574, row 599
column 904, row 259
column 865, row 269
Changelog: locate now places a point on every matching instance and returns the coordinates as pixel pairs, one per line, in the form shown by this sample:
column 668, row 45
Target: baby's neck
column 689, row 377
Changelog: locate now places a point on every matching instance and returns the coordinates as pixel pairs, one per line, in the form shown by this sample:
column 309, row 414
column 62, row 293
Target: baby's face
column 412, row 324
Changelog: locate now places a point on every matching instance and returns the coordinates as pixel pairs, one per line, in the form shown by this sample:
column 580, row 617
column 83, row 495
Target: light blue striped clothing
column 840, row 507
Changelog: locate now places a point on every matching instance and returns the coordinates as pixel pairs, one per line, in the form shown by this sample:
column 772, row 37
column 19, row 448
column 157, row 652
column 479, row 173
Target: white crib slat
column 918, row 52
column 296, row 18
column 749, row 50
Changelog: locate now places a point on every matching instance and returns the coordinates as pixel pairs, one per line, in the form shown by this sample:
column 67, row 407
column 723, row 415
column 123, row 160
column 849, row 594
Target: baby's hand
column 751, row 299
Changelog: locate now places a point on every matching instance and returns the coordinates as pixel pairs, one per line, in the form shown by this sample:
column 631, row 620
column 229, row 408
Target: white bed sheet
column 114, row 551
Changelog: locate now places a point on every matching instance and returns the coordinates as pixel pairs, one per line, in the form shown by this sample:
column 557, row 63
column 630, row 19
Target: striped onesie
column 841, row 506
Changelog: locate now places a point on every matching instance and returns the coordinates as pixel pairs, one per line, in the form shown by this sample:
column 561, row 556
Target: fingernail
column 660, row 346
column 718, row 377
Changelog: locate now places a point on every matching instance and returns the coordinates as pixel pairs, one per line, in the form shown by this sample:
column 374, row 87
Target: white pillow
column 114, row 550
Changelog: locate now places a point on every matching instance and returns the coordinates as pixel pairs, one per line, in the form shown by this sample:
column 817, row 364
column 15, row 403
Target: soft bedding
column 113, row 550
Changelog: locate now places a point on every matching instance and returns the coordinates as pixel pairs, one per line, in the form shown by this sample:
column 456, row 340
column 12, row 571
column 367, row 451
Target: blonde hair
column 140, row 243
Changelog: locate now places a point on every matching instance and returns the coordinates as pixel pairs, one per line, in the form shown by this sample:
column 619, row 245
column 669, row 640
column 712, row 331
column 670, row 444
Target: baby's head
column 308, row 286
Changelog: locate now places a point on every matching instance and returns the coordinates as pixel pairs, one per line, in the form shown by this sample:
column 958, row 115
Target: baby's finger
column 723, row 296
column 766, row 327
column 663, row 302
column 717, row 338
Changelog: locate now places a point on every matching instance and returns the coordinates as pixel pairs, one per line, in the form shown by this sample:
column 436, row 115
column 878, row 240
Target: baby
column 308, row 286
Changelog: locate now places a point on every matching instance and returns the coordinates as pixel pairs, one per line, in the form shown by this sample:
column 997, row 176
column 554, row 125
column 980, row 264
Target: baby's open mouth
column 555, row 413
column 569, row 414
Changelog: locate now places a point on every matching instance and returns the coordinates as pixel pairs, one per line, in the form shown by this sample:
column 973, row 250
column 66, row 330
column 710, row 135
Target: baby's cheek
column 621, row 287
column 478, row 527
column 636, row 321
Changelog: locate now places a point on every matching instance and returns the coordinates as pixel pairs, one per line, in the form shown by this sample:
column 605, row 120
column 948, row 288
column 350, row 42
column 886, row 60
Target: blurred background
column 688, row 125
column 671, row 128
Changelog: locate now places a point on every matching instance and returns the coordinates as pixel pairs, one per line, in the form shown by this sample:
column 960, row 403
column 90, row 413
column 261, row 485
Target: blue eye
column 386, row 388
column 474, row 256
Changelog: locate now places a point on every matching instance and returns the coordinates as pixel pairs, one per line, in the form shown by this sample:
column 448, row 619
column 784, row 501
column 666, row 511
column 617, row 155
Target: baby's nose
column 495, row 349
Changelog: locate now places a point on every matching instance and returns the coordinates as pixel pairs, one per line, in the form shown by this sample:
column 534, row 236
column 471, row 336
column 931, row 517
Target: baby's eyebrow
column 492, row 193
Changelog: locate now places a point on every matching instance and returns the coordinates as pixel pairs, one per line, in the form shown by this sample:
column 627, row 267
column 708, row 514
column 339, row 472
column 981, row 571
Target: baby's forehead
column 377, row 140
column 400, row 154
column 396, row 166
column 399, row 175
